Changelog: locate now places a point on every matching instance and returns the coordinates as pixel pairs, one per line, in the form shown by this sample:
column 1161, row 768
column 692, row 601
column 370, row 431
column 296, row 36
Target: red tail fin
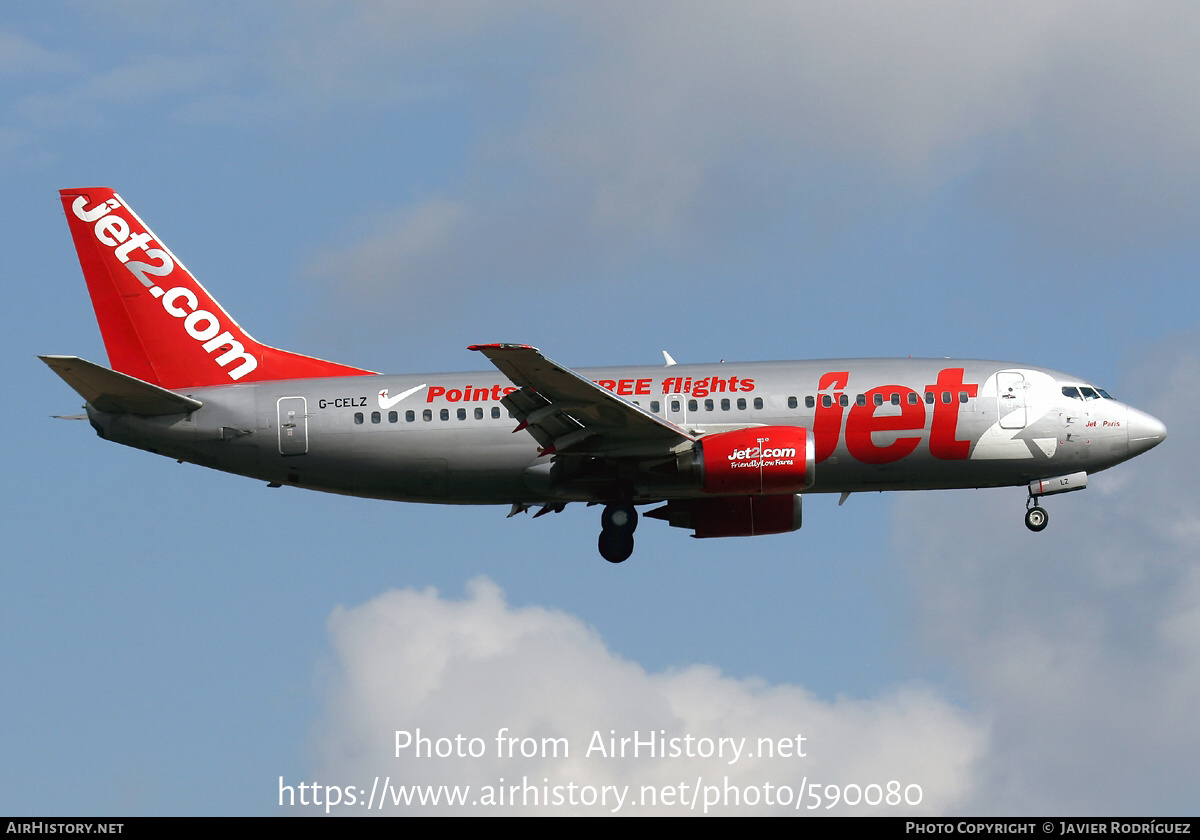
column 158, row 323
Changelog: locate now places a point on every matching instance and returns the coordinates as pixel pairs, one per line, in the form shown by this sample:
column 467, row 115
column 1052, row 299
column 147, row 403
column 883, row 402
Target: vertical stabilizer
column 158, row 323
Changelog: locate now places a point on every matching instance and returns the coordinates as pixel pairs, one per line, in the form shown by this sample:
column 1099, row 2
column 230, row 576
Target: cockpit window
column 1084, row 392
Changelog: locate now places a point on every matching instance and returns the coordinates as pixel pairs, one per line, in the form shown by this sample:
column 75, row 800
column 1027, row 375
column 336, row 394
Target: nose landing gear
column 1036, row 517
column 617, row 525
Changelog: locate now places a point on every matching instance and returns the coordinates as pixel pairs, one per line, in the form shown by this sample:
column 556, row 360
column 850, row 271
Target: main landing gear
column 1036, row 517
column 617, row 525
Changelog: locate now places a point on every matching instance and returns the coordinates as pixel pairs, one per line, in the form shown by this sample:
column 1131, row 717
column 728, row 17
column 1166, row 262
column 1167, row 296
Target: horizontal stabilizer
column 118, row 393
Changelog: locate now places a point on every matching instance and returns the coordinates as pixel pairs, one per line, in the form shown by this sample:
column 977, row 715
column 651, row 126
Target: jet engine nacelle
column 733, row 516
column 760, row 459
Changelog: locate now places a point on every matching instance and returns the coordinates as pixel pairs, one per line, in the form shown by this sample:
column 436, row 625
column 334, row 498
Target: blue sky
column 385, row 183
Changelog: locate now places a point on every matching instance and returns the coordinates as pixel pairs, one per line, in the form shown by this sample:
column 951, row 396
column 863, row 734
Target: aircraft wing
column 570, row 415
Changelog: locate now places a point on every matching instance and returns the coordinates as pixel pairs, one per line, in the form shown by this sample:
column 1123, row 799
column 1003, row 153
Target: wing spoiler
column 569, row 414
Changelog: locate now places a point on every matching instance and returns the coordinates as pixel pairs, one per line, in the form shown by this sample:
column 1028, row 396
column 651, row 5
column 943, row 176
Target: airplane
column 722, row 449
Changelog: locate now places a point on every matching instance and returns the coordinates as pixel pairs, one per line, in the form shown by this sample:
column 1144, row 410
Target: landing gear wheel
column 615, row 545
column 617, row 524
column 619, row 518
column 1036, row 519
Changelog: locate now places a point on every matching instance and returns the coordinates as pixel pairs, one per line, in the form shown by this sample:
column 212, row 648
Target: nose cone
column 1145, row 432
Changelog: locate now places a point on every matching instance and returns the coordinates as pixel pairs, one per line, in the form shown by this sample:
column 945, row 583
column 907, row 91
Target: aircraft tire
column 619, row 518
column 1036, row 519
column 615, row 546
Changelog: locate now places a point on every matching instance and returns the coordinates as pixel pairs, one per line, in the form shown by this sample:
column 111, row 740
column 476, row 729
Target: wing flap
column 118, row 393
column 569, row 414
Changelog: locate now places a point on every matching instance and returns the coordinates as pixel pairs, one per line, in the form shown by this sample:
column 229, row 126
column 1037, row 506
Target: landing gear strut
column 617, row 523
column 1036, row 517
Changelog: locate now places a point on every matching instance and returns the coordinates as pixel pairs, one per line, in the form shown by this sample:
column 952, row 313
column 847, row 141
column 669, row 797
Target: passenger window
column 410, row 416
column 724, row 405
column 861, row 399
column 741, row 403
column 792, row 402
column 674, row 405
column 962, row 397
column 478, row 413
column 693, row 405
column 929, row 397
column 655, row 406
column 879, row 399
column 358, row 418
column 758, row 403
column 462, row 414
column 809, row 402
column 708, row 405
column 843, row 400
column 376, row 417
column 913, row 399
column 427, row 414
column 895, row 399
column 826, row 400
column 495, row 412
column 393, row 416
column 947, row 398
column 444, row 414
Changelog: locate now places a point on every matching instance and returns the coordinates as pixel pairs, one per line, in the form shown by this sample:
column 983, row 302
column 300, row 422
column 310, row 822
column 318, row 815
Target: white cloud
column 690, row 128
column 906, row 88
column 410, row 660
column 395, row 256
column 603, row 133
column 106, row 95
column 21, row 56
column 373, row 51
